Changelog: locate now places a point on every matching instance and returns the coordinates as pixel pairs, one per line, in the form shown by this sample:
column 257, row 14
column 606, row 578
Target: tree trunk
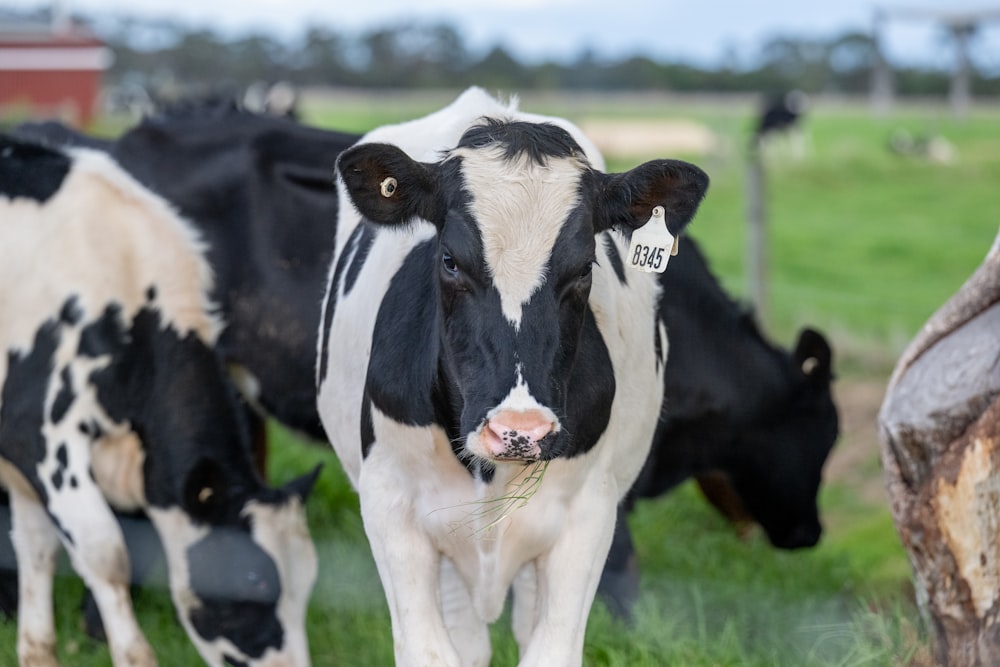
column 939, row 428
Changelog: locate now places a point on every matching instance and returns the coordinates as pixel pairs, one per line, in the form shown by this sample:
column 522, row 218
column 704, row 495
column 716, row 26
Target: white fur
column 429, row 522
column 520, row 208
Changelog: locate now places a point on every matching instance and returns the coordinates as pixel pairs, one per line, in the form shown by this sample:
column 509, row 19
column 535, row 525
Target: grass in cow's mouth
column 486, row 514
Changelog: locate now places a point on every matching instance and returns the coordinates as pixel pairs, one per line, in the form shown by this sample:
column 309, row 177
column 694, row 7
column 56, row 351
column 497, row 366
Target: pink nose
column 516, row 435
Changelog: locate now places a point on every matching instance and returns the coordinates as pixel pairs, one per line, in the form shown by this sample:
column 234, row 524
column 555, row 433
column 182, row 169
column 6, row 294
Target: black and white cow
column 260, row 191
column 754, row 423
column 480, row 351
column 112, row 396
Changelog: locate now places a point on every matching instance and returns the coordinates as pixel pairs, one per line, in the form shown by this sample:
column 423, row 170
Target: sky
column 699, row 31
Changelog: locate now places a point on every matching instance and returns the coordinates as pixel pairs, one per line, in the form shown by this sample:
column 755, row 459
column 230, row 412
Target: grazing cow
column 482, row 349
column 260, row 190
column 112, row 396
column 736, row 409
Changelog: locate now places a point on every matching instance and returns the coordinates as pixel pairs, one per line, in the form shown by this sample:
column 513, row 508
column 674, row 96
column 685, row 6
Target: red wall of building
column 68, row 95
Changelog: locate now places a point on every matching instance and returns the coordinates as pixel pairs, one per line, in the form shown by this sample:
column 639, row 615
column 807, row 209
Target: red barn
column 51, row 70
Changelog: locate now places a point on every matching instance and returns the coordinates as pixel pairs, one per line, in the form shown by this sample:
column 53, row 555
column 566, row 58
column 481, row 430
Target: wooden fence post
column 756, row 246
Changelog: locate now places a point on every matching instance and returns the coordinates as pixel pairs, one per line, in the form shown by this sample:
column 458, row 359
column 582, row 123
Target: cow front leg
column 567, row 577
column 524, row 608
column 408, row 566
column 93, row 539
column 469, row 633
column 36, row 546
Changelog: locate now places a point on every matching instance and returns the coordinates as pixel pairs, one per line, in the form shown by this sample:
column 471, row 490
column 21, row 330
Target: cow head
column 241, row 567
column 516, row 207
column 780, row 486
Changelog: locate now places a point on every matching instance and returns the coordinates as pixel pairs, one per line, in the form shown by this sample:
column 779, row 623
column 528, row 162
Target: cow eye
column 449, row 264
column 587, row 270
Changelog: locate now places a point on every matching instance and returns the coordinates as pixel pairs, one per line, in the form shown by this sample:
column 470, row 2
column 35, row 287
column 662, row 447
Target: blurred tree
column 169, row 55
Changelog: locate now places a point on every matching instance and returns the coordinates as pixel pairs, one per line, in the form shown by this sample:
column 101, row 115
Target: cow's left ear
column 625, row 201
column 389, row 187
column 204, row 491
column 814, row 357
column 303, row 486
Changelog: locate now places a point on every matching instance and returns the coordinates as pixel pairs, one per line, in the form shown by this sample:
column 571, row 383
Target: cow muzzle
column 511, row 435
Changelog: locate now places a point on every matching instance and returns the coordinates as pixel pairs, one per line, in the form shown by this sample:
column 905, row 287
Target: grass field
column 865, row 245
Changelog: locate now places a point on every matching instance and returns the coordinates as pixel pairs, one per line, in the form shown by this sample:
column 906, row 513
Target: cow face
column 241, row 569
column 516, row 206
column 780, row 486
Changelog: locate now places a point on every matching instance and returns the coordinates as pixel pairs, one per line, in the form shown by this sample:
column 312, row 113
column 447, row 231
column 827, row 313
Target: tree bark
column 939, row 429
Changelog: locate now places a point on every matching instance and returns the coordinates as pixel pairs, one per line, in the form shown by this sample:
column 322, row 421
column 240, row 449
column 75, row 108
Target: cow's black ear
column 389, row 187
column 814, row 357
column 303, row 486
column 625, row 201
column 204, row 491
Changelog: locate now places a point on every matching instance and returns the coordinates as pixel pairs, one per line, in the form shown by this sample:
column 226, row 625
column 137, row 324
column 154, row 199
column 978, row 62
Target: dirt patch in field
column 642, row 137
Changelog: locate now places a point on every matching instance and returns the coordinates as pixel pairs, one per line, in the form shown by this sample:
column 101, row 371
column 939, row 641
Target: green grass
column 864, row 245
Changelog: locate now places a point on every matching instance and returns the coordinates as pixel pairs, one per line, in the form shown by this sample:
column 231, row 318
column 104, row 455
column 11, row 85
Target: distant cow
column 736, row 409
column 483, row 349
column 781, row 115
column 112, row 396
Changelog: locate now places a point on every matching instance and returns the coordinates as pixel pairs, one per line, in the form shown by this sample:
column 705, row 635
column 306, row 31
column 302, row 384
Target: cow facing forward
column 480, row 352
column 112, row 395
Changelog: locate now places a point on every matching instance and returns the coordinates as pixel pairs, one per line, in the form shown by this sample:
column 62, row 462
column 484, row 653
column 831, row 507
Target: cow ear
column 303, row 486
column 204, row 491
column 626, row 200
column 387, row 186
column 814, row 357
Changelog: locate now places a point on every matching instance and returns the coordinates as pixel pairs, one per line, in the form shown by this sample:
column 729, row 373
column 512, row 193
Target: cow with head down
column 489, row 380
column 113, row 397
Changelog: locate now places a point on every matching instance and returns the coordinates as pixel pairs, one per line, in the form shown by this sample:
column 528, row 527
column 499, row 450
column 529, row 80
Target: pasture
column 864, row 244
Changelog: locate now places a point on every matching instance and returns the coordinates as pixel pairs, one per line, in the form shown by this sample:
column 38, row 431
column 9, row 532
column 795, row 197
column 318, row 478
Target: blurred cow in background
column 752, row 422
column 781, row 117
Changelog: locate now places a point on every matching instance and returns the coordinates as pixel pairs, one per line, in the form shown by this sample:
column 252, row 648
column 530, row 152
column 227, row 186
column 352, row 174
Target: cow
column 781, row 116
column 488, row 374
column 113, row 397
column 752, row 422
column 260, row 191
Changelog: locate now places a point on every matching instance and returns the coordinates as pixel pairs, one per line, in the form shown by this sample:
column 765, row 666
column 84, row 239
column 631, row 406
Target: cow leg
column 524, row 610
column 408, row 565
column 93, row 539
column 36, row 546
column 567, row 579
column 619, row 586
column 469, row 634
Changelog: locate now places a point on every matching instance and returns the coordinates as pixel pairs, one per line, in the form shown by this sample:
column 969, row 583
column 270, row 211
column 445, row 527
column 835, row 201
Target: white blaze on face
column 520, row 207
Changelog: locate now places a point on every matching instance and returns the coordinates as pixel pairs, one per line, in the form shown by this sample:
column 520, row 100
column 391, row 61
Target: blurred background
column 854, row 152
column 159, row 49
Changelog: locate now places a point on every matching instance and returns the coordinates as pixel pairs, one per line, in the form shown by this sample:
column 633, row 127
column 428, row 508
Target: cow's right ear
column 814, row 357
column 389, row 187
column 204, row 491
column 625, row 201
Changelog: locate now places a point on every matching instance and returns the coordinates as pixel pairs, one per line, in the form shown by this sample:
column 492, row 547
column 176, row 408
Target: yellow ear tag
column 652, row 244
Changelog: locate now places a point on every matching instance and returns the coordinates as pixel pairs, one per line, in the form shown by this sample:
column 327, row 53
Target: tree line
column 428, row 56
